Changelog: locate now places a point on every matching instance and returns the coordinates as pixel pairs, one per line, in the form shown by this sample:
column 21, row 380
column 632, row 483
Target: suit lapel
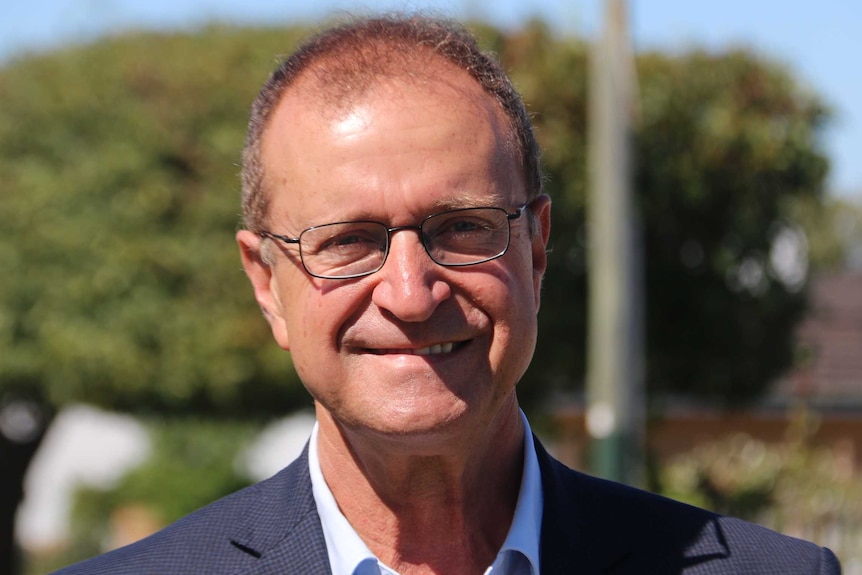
column 282, row 528
column 575, row 538
column 303, row 550
column 592, row 526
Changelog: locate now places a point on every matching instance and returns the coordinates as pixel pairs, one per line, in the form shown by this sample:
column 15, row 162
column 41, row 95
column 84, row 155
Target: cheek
column 509, row 298
column 317, row 317
column 515, row 344
column 313, row 349
column 513, row 288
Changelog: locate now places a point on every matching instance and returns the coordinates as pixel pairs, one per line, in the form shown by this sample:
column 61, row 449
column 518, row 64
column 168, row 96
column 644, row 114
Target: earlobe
column 541, row 208
column 264, row 283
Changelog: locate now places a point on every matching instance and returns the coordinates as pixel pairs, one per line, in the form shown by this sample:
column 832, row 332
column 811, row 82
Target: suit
column 589, row 526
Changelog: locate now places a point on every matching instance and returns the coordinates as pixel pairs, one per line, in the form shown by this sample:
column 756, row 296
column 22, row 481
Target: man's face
column 415, row 349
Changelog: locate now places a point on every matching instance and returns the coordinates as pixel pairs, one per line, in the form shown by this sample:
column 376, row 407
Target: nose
column 409, row 286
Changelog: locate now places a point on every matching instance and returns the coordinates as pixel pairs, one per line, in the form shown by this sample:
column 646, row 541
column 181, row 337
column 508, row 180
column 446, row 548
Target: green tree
column 726, row 152
column 122, row 287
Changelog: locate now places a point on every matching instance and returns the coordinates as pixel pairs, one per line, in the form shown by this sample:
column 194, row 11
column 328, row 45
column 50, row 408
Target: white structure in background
column 279, row 444
column 87, row 446
column 84, row 446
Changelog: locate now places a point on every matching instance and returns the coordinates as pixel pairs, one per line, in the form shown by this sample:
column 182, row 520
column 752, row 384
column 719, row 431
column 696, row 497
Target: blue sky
column 821, row 41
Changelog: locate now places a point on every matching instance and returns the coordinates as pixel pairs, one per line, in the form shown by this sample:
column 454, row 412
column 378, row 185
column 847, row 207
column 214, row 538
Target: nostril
column 411, row 296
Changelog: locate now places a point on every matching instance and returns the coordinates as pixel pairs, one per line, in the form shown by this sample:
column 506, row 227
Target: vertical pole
column 615, row 342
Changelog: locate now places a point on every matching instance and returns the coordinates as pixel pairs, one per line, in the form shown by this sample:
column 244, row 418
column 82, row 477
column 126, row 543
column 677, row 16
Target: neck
column 427, row 506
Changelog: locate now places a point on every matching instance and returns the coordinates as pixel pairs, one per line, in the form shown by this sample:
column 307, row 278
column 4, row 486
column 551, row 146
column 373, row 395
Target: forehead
column 396, row 135
column 331, row 92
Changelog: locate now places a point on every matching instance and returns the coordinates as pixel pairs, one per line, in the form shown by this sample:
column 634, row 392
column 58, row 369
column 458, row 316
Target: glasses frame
column 510, row 216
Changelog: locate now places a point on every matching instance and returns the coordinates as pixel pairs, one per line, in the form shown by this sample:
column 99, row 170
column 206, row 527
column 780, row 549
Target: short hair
column 349, row 59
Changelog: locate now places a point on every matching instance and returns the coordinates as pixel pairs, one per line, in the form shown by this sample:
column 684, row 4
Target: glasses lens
column 343, row 250
column 464, row 237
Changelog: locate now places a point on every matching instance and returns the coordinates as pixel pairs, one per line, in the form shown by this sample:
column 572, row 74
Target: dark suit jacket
column 590, row 526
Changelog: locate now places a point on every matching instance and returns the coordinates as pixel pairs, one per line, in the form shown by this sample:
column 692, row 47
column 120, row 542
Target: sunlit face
column 414, row 349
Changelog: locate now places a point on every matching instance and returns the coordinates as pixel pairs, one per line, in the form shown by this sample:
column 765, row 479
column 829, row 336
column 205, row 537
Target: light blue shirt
column 519, row 555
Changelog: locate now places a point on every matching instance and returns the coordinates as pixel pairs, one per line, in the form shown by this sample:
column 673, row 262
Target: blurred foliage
column 796, row 487
column 122, row 284
column 192, row 463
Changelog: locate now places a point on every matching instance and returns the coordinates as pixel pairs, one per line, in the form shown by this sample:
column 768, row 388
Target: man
column 396, row 239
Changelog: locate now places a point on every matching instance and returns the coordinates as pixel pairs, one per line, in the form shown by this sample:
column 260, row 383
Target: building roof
column 830, row 343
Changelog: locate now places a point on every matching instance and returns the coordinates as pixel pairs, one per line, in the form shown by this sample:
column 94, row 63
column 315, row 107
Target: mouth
column 436, row 349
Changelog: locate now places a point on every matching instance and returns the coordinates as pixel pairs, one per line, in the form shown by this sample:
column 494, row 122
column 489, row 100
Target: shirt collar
column 349, row 555
column 524, row 535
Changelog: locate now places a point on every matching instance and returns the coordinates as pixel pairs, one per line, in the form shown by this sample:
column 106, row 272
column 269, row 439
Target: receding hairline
column 344, row 62
column 337, row 92
column 311, row 93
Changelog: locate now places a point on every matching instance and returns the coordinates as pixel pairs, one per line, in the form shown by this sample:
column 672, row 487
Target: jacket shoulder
column 628, row 530
column 214, row 539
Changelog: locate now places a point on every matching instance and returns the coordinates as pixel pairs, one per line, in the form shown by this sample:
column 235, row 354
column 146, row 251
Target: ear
column 264, row 283
column 541, row 208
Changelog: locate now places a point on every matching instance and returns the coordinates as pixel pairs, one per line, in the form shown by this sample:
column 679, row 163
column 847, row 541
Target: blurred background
column 138, row 381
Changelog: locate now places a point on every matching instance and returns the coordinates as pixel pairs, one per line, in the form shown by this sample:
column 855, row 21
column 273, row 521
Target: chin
column 403, row 423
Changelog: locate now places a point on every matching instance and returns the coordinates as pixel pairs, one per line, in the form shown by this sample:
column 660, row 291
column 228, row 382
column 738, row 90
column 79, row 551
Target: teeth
column 435, row 349
column 440, row 348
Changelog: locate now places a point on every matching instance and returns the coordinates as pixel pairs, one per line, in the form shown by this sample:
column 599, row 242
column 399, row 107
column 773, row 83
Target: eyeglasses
column 345, row 250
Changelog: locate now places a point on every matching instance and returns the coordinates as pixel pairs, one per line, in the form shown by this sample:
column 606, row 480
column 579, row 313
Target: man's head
column 410, row 341
column 342, row 63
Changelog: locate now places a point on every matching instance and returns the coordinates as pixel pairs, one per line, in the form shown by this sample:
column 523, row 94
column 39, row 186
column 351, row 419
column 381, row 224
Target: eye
column 347, row 240
column 352, row 239
column 465, row 225
column 462, row 226
column 344, row 240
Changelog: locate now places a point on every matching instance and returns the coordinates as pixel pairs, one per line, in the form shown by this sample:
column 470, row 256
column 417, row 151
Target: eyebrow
column 492, row 200
column 459, row 202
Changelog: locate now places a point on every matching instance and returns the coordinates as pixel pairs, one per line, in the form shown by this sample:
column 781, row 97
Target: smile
column 437, row 349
